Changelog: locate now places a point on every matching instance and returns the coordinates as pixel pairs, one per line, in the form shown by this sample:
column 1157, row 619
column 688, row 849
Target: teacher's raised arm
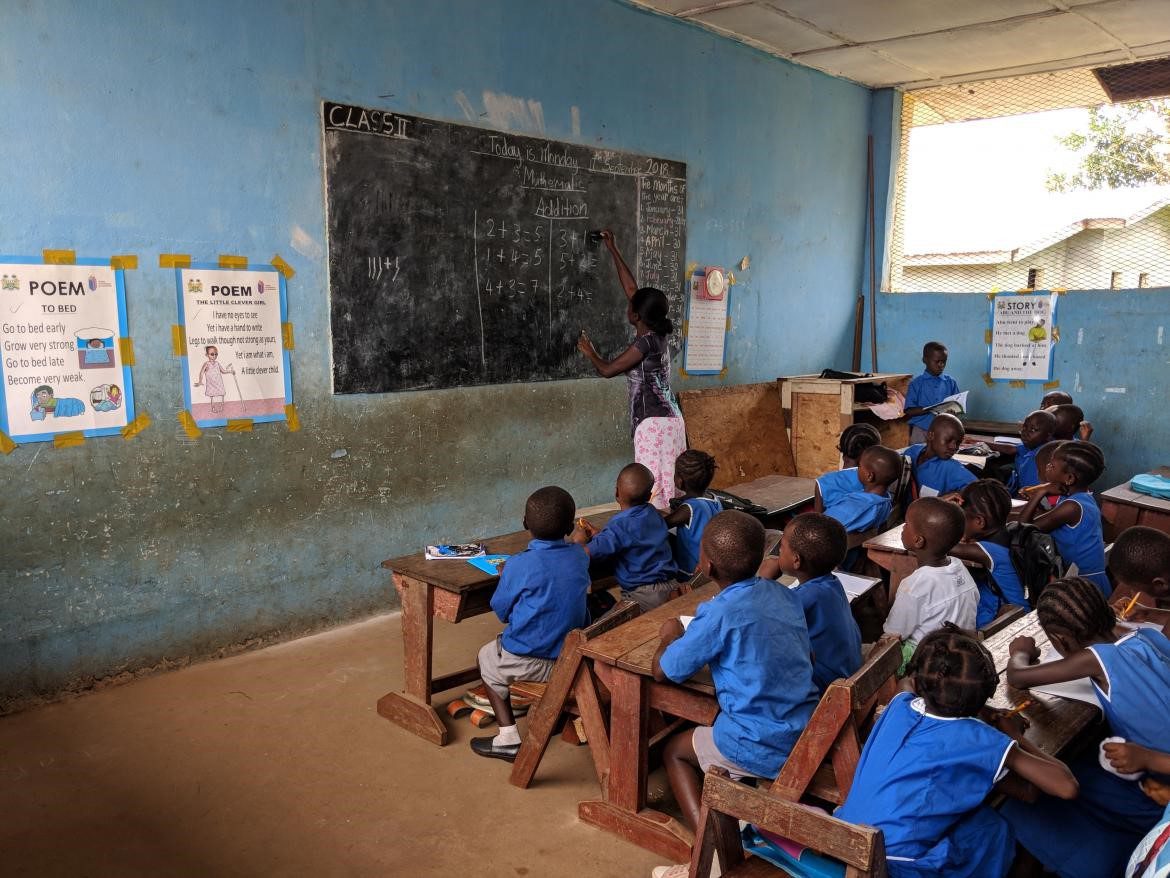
column 655, row 419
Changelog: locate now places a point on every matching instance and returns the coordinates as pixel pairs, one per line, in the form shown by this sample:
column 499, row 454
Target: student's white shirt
column 930, row 596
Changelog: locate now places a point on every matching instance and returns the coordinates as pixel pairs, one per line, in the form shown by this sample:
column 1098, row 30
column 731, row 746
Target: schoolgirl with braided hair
column 986, row 506
column 1093, row 836
column 693, row 471
column 1075, row 521
column 855, row 439
column 932, row 758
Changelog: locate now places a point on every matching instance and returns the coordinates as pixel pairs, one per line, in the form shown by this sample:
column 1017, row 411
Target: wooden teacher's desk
column 446, row 589
column 1122, row 507
column 623, row 660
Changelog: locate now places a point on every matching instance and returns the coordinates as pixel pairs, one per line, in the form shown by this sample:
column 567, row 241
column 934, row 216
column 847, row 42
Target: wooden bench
column 725, row 803
column 824, row 759
column 570, row 687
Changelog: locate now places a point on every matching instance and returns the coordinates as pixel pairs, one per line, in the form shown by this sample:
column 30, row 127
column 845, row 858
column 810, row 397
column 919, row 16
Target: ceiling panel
column 883, row 19
column 862, row 65
column 766, row 26
column 1135, row 22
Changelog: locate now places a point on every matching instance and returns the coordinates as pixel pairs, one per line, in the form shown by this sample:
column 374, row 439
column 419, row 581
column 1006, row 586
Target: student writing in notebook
column 1140, row 562
column 1094, row 835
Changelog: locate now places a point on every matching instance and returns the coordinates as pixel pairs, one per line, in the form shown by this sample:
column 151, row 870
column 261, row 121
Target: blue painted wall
column 147, row 127
column 1113, row 357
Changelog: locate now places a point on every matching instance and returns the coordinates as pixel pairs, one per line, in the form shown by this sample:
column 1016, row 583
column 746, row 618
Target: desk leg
column 623, row 811
column 411, row 708
column 898, row 565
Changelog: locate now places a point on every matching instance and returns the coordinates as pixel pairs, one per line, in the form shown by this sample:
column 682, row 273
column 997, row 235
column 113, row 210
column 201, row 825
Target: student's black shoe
column 485, row 747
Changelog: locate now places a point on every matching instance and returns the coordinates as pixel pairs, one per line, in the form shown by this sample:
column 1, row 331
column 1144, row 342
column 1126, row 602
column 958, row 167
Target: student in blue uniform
column 930, row 762
column 854, row 439
column 637, row 538
column 1075, row 521
column 860, row 498
column 693, row 471
column 927, row 389
column 541, row 598
column 812, row 547
column 933, row 471
column 1035, row 432
column 986, row 505
column 1140, row 561
column 753, row 637
column 1093, row 836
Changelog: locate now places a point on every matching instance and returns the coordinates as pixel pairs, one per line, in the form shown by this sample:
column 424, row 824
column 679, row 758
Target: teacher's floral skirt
column 657, row 443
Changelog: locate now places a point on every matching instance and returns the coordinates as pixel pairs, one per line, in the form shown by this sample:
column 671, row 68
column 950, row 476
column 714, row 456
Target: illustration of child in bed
column 44, row 403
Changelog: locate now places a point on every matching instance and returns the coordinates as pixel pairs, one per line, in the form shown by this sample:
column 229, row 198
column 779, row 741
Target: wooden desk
column 622, row 660
column 1122, row 507
column 451, row 590
column 779, row 495
column 887, row 552
column 988, row 430
column 1056, row 723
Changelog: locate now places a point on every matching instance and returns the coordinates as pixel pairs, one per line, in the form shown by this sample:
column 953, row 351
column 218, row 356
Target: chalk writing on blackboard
column 459, row 256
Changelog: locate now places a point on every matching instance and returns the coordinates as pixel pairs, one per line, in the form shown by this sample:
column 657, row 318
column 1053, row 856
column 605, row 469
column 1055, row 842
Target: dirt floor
column 276, row 763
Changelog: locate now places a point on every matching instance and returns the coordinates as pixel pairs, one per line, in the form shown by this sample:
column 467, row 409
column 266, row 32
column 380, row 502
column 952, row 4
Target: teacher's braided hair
column 653, row 307
column 1077, row 606
column 953, row 672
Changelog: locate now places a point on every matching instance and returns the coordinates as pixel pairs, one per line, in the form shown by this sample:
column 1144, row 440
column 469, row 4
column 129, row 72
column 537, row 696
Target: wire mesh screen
column 1035, row 182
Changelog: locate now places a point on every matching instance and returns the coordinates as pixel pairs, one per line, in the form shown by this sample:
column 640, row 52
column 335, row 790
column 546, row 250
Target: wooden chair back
column 725, row 803
column 571, row 680
column 824, row 759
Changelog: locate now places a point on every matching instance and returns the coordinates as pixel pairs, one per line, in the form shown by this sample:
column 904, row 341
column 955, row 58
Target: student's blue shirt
column 1138, row 703
column 832, row 632
column 753, row 637
column 922, row 780
column 846, row 500
column 638, row 539
column 1025, row 472
column 1083, row 543
column 1003, row 571
column 926, row 390
column 688, row 536
column 541, row 597
column 936, row 475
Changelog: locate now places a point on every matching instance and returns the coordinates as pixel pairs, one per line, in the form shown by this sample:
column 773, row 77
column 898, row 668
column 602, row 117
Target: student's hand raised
column 1085, row 431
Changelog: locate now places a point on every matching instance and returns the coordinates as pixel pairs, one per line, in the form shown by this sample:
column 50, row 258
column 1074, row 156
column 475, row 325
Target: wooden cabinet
column 818, row 409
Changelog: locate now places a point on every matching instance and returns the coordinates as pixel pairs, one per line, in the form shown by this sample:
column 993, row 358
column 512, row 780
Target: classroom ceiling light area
column 914, row 44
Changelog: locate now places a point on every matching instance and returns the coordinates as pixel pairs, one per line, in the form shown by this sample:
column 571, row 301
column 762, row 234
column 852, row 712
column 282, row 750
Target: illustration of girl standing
column 211, row 377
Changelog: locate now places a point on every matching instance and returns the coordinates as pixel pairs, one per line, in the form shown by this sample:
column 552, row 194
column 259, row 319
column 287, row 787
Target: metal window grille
column 1052, row 186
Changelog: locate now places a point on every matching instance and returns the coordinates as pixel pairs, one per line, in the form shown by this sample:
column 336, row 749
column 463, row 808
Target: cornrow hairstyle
column 1076, row 606
column 1045, row 452
column 820, row 541
column 990, row 499
column 953, row 672
column 695, row 469
column 1140, row 555
column 856, row 438
column 1085, row 460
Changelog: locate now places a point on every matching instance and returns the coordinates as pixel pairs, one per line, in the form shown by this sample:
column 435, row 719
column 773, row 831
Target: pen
column 1019, row 707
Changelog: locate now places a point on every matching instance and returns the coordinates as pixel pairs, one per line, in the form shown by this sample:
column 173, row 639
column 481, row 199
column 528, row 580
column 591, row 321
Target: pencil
column 1130, row 605
column 1032, row 489
column 1019, row 707
column 583, row 523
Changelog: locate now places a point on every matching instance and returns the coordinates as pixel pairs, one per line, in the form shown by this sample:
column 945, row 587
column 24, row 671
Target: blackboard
column 460, row 256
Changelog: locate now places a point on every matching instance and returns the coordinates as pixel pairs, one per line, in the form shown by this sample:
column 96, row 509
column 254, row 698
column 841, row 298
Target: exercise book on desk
column 1076, row 690
column 489, row 563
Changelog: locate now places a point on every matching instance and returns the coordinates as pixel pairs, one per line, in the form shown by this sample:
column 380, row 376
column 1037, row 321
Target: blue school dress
column 1083, row 544
column 845, row 499
column 936, row 476
column 927, row 390
column 1092, row 836
column 1024, row 471
column 832, row 631
column 1003, row 571
column 922, row 780
column 689, row 535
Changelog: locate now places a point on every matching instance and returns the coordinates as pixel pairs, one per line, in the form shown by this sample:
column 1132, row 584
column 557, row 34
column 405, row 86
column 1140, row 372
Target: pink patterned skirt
column 657, row 443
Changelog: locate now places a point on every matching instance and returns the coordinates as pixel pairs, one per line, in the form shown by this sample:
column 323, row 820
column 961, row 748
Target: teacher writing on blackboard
column 656, row 422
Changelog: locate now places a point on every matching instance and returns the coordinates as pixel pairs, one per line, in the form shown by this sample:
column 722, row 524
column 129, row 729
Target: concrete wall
column 147, row 127
column 1113, row 357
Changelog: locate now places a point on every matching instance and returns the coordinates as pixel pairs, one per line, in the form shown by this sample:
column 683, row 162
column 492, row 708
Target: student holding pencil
column 656, row 423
